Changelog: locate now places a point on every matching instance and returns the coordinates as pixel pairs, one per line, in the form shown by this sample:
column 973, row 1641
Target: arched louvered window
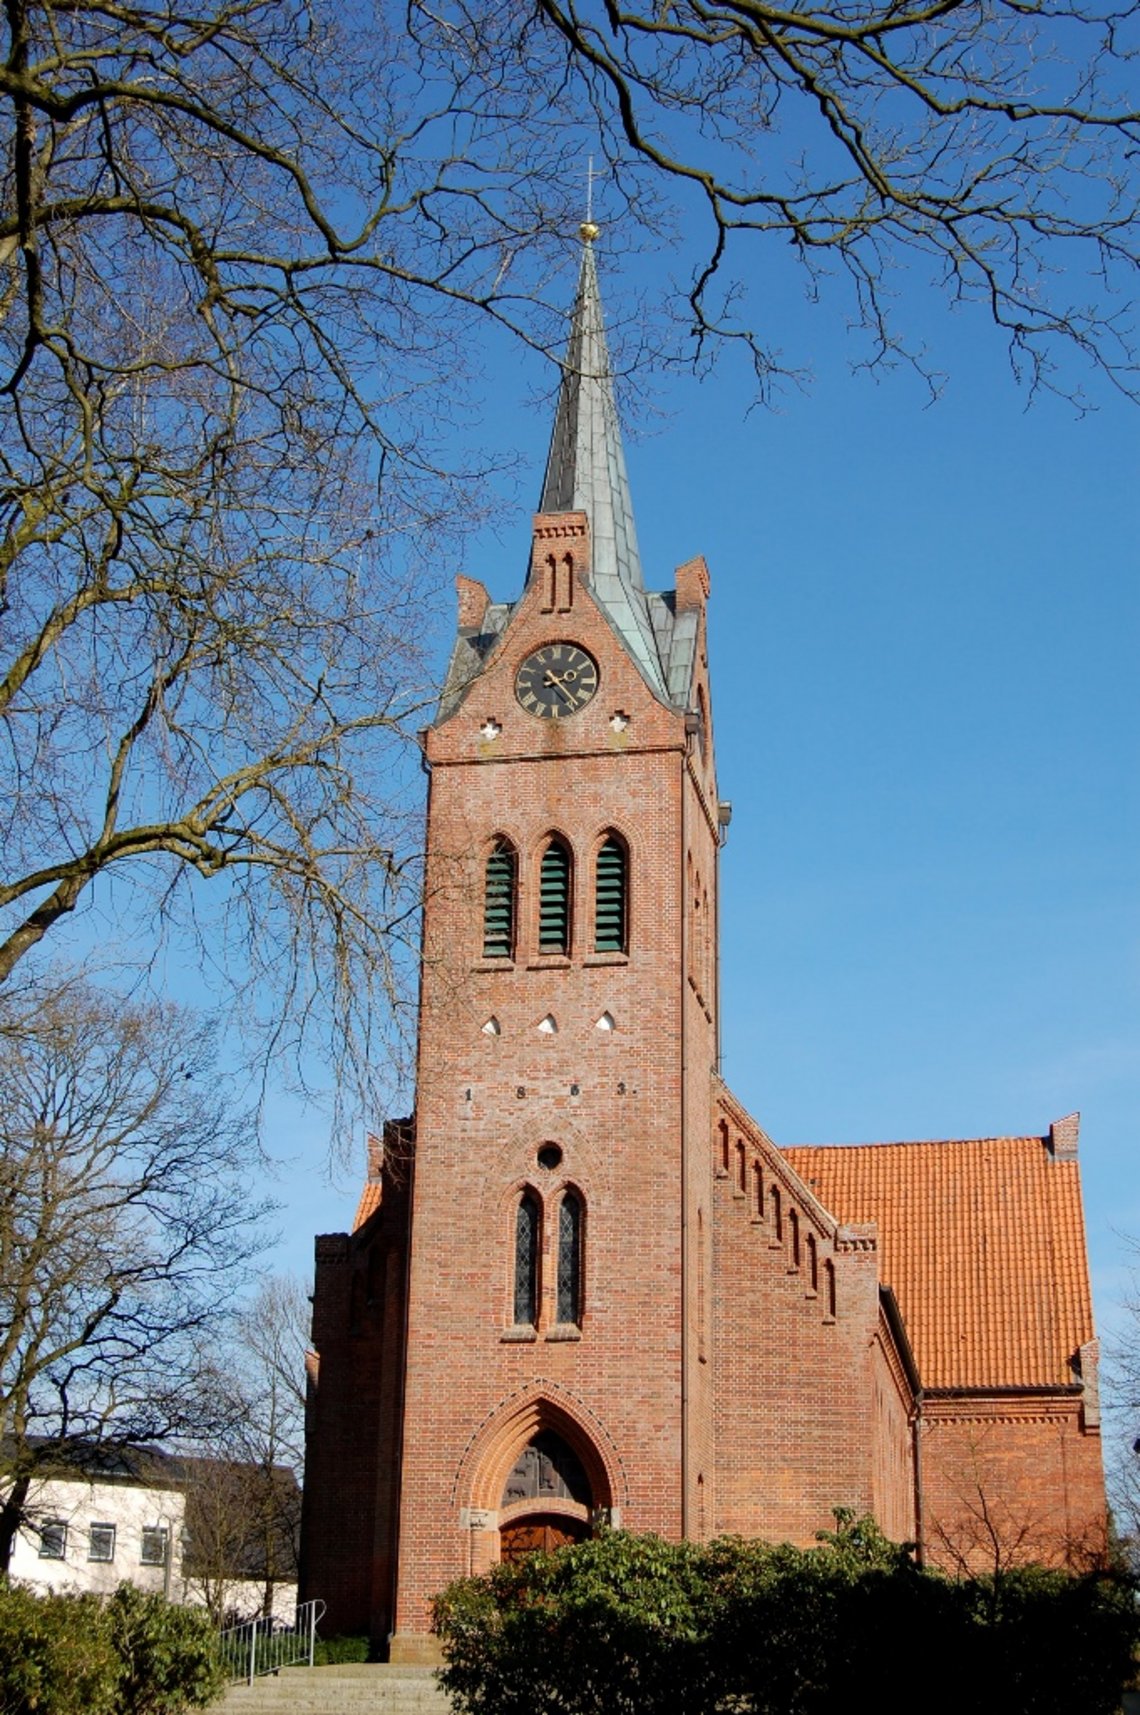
column 570, row 1258
column 554, row 899
column 499, row 903
column 526, row 1259
column 610, row 898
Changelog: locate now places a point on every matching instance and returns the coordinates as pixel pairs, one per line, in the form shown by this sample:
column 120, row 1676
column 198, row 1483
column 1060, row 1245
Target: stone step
column 350, row 1689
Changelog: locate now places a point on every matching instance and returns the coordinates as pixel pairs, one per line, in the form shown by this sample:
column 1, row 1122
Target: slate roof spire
column 585, row 472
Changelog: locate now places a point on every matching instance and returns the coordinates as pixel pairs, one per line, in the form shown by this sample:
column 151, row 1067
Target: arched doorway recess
column 547, row 1499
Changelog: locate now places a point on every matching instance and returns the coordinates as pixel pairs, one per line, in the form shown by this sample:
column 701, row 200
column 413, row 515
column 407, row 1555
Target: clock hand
column 555, row 680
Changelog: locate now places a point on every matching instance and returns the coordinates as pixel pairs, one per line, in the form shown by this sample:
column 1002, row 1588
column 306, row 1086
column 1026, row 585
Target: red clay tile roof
column 368, row 1204
column 983, row 1242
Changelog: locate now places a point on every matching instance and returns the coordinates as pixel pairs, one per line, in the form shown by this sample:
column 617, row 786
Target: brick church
column 583, row 1284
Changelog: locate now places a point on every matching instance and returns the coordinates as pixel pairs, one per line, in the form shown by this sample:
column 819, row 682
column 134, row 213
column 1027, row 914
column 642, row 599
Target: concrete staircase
column 352, row 1689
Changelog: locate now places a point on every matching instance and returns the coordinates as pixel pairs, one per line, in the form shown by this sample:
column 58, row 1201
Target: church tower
column 555, row 1204
column 566, row 1039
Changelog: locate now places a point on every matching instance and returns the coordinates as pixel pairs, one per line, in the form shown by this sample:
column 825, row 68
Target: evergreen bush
column 168, row 1658
column 131, row 1654
column 632, row 1625
column 56, row 1655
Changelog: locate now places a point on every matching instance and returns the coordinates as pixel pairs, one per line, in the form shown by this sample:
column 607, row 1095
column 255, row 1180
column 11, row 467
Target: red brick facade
column 735, row 1360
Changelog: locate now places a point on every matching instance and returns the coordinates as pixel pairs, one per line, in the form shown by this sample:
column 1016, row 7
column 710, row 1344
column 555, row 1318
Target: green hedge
column 632, row 1625
column 132, row 1654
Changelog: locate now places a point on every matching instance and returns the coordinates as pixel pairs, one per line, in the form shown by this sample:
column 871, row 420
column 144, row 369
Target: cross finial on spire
column 588, row 231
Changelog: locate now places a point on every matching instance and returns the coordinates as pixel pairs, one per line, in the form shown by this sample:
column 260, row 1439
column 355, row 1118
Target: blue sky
column 925, row 630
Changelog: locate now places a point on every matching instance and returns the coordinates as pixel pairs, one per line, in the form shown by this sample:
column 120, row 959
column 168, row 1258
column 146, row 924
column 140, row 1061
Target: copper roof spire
column 585, row 472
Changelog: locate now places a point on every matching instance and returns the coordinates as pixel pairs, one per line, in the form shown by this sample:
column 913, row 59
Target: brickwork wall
column 352, row 1419
column 803, row 1381
column 1011, row 1480
column 892, row 1441
column 701, row 841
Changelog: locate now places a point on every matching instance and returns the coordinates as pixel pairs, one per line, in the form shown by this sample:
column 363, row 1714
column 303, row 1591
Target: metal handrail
column 262, row 1646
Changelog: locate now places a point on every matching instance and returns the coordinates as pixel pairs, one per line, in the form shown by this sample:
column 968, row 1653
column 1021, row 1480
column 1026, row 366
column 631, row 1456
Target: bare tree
column 243, row 1507
column 992, row 146
column 243, row 1525
column 1121, row 1383
column 246, row 251
column 129, row 1217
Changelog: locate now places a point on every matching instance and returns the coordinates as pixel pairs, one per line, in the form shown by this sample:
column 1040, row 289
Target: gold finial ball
column 588, row 231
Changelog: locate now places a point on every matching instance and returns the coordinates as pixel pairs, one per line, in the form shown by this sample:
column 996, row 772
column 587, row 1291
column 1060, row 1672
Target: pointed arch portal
column 547, row 1500
column 538, row 1475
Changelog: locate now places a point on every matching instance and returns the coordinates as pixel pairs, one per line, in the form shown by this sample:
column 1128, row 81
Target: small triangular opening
column 492, row 1027
column 549, row 1025
column 606, row 1022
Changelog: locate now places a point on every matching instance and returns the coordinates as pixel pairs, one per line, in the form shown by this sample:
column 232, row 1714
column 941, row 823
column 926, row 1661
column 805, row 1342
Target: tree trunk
column 11, row 1513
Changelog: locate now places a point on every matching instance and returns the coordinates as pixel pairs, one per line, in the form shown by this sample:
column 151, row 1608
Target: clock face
column 556, row 681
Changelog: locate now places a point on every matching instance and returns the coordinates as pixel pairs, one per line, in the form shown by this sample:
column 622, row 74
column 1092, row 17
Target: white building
column 95, row 1533
column 110, row 1517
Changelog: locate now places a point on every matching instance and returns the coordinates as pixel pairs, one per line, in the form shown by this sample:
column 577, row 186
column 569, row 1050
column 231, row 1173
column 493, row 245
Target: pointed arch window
column 569, row 1308
column 499, row 902
column 610, row 902
column 554, row 899
column 527, row 1221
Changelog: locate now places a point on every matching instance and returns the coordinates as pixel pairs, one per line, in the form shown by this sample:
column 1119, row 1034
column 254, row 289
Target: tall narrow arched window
column 554, row 899
column 499, row 903
column 570, row 1258
column 813, row 1263
column 526, row 1259
column 610, row 907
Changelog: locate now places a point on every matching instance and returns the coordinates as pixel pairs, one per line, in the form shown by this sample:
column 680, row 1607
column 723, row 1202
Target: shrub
column 626, row 1624
column 133, row 1654
column 56, row 1655
column 168, row 1658
column 607, row 1627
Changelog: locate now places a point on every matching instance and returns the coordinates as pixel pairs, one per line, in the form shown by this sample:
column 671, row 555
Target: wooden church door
column 533, row 1535
column 546, row 1469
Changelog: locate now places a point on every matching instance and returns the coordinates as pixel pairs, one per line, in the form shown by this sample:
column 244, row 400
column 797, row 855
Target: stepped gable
column 983, row 1243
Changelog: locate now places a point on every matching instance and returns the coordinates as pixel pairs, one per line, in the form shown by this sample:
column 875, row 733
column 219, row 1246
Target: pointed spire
column 585, row 472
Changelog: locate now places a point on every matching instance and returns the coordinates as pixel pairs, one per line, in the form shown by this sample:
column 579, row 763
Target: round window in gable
column 550, row 1157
